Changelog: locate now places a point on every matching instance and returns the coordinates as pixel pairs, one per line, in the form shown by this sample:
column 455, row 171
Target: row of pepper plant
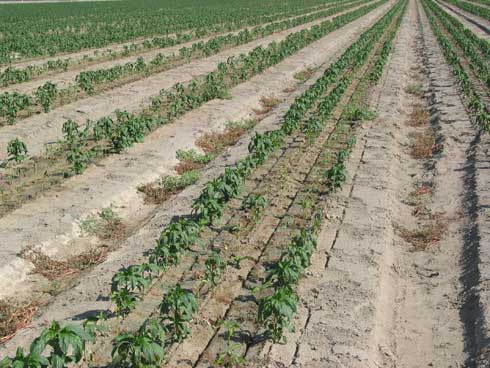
column 136, row 278
column 276, row 310
column 87, row 81
column 478, row 61
column 475, row 103
column 28, row 31
column 178, row 306
column 108, row 135
column 471, row 8
column 12, row 75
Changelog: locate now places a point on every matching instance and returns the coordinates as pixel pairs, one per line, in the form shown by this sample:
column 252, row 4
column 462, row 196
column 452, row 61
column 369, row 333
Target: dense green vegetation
column 115, row 135
column 69, row 27
column 471, row 8
column 87, row 82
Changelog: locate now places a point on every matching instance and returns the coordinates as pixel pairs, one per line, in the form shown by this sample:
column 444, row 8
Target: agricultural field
column 245, row 183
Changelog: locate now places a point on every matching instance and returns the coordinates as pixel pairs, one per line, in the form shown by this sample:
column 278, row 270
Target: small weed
column 168, row 186
column 235, row 229
column 89, row 225
column 415, row 197
column 236, row 260
column 231, row 357
column 268, row 103
column 54, row 288
column 173, row 183
column 306, row 203
column 215, row 266
column 415, row 89
column 304, row 75
column 192, row 160
column 358, row 113
column 256, row 203
column 194, row 156
column 106, row 225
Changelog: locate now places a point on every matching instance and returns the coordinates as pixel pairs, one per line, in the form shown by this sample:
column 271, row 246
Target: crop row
column 481, row 43
column 11, row 104
column 207, row 207
column 35, row 35
column 377, row 69
column 13, row 75
column 276, row 310
column 475, row 103
column 88, row 80
column 146, row 347
column 108, row 135
column 467, row 41
column 484, row 2
column 471, row 8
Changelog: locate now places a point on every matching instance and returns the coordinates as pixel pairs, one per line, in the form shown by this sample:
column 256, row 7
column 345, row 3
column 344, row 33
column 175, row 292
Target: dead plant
column 267, row 103
column 419, row 116
column 423, row 237
column 424, row 144
column 14, row 316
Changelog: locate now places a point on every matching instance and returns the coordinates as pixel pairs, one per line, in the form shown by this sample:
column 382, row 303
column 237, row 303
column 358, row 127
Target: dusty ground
column 400, row 274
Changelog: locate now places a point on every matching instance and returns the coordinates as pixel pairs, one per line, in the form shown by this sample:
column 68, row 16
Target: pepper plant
column 176, row 311
column 145, row 348
column 16, row 150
